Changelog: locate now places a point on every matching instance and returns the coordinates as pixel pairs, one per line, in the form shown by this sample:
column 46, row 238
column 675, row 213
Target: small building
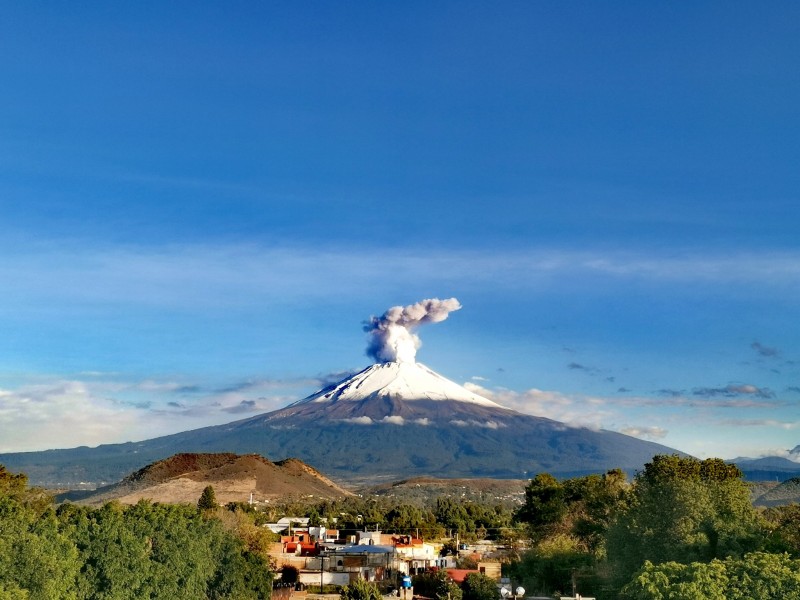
column 459, row 575
column 490, row 568
column 301, row 544
column 415, row 555
column 370, row 562
column 288, row 523
column 323, row 535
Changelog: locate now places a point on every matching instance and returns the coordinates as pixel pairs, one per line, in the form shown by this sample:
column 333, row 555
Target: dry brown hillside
column 182, row 477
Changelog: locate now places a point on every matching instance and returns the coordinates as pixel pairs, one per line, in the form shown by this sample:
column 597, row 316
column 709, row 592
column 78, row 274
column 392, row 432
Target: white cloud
column 61, row 414
column 65, row 413
column 647, row 433
column 359, row 420
column 394, row 420
column 774, row 423
column 575, row 411
column 474, row 423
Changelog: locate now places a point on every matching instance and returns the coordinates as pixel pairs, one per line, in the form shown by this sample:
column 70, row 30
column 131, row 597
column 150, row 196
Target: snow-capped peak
column 403, row 380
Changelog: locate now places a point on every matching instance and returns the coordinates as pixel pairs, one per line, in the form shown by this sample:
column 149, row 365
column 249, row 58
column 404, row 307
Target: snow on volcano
column 398, row 380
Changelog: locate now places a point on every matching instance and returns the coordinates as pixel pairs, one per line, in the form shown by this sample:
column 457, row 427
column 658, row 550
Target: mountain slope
column 390, row 421
column 768, row 468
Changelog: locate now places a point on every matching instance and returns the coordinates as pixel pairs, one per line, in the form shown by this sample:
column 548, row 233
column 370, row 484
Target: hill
column 786, row 492
column 182, row 477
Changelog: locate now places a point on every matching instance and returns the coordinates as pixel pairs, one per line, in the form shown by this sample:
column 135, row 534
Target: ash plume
column 392, row 337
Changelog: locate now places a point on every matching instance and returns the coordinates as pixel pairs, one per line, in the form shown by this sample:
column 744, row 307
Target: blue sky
column 201, row 203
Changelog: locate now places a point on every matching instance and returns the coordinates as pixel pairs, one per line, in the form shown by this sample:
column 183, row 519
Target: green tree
column 568, row 521
column 12, row 591
column 290, row 574
column 37, row 560
column 478, row 586
column 452, row 515
column 12, row 485
column 757, row 576
column 783, row 524
column 544, row 509
column 436, row 585
column 240, row 575
column 360, row 590
column 161, row 552
column 208, row 499
column 581, row 508
column 683, row 510
column 314, row 520
column 675, row 581
column 763, row 575
column 120, row 552
column 551, row 565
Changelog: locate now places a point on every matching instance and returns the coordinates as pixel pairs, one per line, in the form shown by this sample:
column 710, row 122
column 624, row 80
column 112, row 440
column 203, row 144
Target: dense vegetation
column 436, row 585
column 679, row 522
column 447, row 517
column 360, row 590
column 124, row 552
column 682, row 529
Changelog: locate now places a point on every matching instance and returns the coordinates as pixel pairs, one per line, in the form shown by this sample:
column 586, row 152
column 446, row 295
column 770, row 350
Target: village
column 325, row 559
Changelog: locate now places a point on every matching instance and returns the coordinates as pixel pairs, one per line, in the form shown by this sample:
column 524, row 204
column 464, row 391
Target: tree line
column 682, row 529
column 446, row 517
column 121, row 552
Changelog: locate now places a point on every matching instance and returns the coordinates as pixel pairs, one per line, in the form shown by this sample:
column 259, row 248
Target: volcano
column 392, row 420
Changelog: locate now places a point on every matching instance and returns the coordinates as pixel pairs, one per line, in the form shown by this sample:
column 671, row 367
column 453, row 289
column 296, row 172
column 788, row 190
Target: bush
column 360, row 590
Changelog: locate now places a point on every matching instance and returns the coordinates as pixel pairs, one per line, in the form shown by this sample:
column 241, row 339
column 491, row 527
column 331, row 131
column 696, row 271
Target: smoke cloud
column 392, row 337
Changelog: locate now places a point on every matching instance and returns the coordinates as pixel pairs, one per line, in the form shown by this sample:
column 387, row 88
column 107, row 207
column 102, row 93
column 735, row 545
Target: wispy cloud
column 578, row 411
column 733, row 390
column 244, row 407
column 203, row 276
column 773, row 423
column 70, row 412
column 647, row 433
column 765, row 351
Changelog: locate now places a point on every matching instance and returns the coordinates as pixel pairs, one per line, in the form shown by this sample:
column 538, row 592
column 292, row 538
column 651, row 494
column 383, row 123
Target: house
column 300, row 544
column 288, row 523
column 324, row 535
column 415, row 555
column 363, row 561
column 490, row 569
column 459, row 575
